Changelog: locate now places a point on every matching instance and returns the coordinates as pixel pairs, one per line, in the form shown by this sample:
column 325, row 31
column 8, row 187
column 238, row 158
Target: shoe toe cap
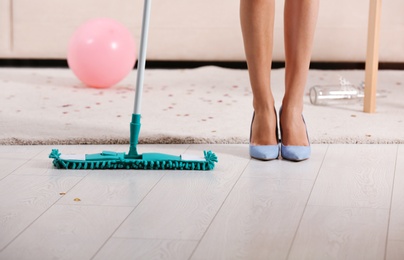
column 295, row 153
column 264, row 152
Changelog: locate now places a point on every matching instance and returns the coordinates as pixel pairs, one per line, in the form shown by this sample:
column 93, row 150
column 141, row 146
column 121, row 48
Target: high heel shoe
column 295, row 153
column 264, row 152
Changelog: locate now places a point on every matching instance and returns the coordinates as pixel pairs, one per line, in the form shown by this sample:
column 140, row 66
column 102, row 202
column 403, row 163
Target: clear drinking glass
column 335, row 94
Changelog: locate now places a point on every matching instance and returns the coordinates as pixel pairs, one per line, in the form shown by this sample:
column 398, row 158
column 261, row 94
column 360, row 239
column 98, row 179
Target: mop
column 132, row 159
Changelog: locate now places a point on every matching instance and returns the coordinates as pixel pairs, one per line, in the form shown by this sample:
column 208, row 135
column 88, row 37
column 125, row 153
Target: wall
column 193, row 29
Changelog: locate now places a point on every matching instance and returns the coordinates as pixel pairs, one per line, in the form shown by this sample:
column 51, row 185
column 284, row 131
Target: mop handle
column 142, row 56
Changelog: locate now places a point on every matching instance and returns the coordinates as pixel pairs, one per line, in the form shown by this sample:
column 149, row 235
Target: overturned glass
column 335, row 94
column 342, row 94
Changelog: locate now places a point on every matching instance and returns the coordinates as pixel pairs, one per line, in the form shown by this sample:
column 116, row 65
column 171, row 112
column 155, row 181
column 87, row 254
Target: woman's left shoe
column 264, row 152
column 295, row 153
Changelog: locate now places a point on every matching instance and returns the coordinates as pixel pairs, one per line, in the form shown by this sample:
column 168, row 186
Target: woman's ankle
column 293, row 127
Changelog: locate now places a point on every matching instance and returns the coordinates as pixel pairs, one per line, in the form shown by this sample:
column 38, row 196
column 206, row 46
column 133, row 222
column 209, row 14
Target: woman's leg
column 300, row 18
column 257, row 19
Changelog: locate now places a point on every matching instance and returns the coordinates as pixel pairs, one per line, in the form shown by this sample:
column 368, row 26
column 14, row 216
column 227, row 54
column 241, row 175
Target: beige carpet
column 204, row 105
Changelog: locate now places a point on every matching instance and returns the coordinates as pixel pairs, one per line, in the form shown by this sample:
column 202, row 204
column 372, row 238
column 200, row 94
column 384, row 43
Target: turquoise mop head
column 146, row 161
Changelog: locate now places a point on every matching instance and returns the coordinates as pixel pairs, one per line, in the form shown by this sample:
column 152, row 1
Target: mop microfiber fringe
column 147, row 161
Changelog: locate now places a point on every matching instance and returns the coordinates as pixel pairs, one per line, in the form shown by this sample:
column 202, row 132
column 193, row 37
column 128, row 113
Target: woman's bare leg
column 300, row 18
column 257, row 20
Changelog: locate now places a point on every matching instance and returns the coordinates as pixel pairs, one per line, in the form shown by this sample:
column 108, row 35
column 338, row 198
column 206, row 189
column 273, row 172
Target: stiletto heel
column 264, row 152
column 295, row 153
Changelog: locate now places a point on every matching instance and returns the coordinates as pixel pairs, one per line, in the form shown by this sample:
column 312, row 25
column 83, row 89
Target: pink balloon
column 101, row 52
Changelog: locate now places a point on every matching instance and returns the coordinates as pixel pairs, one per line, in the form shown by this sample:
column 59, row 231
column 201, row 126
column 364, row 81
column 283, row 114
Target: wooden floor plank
column 113, row 188
column 341, row 233
column 24, row 198
column 67, row 232
column 396, row 228
column 257, row 221
column 282, row 169
column 356, row 176
column 146, row 249
column 183, row 203
column 395, row 250
column 12, row 157
column 244, row 208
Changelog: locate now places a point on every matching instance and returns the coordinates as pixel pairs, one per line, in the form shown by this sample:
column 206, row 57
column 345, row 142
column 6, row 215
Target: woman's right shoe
column 295, row 153
column 264, row 152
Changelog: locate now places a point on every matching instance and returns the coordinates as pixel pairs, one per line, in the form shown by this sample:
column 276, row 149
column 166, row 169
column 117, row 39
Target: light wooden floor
column 346, row 202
